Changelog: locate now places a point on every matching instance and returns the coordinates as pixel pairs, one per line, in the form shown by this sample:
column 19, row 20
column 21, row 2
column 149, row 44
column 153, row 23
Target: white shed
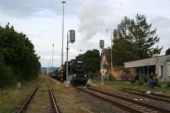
column 159, row 64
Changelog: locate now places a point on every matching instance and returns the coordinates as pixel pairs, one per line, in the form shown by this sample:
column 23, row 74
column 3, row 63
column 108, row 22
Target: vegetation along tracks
column 27, row 101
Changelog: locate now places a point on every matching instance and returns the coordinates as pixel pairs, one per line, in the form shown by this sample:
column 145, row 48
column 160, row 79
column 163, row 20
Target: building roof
column 106, row 52
column 148, row 61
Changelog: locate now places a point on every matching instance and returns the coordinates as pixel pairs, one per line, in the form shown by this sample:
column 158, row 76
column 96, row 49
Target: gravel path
column 100, row 106
column 142, row 99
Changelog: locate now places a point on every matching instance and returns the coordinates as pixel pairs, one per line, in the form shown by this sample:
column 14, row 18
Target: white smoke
column 90, row 18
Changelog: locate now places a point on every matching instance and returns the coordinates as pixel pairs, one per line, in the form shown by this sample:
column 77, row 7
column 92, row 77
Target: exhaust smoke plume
column 90, row 18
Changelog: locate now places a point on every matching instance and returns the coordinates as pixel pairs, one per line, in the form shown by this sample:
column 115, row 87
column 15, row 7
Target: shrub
column 7, row 77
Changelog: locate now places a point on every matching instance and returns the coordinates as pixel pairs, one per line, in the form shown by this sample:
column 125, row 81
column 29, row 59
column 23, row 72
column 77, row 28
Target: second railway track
column 27, row 101
column 40, row 102
column 125, row 103
column 151, row 96
column 54, row 105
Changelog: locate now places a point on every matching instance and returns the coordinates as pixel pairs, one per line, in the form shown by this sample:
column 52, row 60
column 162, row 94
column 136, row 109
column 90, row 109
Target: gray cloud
column 90, row 18
column 41, row 20
column 26, row 8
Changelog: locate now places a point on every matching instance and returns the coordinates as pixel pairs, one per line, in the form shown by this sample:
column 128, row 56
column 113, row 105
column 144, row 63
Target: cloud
column 90, row 18
column 41, row 21
column 27, row 8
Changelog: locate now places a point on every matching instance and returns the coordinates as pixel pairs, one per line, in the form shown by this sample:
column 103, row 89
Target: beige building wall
column 117, row 73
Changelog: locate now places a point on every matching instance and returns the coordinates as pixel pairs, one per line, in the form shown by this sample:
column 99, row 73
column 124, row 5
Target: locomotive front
column 77, row 72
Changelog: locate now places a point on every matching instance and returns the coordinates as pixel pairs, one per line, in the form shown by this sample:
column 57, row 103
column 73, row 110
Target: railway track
column 150, row 106
column 27, row 101
column 152, row 96
column 54, row 105
column 32, row 100
column 125, row 103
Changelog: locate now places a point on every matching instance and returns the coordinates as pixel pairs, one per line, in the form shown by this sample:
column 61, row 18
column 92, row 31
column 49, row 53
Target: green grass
column 123, row 84
column 12, row 97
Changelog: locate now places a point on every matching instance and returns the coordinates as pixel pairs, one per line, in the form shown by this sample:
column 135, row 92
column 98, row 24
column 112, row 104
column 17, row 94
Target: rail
column 162, row 110
column 54, row 105
column 27, row 101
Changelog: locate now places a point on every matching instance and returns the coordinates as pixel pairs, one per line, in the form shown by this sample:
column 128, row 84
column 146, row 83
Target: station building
column 158, row 66
column 116, row 72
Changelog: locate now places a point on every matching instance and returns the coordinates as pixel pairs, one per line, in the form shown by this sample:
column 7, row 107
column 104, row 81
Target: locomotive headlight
column 75, row 75
column 85, row 75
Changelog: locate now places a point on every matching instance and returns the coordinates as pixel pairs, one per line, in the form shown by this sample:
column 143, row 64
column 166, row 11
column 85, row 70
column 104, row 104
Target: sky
column 93, row 20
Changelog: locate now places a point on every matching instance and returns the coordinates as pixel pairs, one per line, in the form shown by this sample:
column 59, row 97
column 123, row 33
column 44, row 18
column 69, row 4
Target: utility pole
column 70, row 39
column 52, row 56
column 101, row 66
column 111, row 62
column 111, row 54
column 62, row 55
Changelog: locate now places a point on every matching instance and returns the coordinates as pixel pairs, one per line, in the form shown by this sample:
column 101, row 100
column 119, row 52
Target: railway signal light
column 71, row 36
column 70, row 39
column 101, row 44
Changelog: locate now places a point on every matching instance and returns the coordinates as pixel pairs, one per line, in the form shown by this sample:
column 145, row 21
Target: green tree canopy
column 92, row 60
column 167, row 52
column 7, row 77
column 133, row 40
column 18, row 53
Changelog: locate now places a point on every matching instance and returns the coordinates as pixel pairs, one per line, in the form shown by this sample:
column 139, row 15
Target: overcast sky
column 41, row 21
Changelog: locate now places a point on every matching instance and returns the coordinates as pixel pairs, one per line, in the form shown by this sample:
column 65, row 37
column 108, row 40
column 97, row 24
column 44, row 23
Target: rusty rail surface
column 154, row 94
column 122, row 104
column 143, row 95
column 27, row 101
column 54, row 105
column 162, row 110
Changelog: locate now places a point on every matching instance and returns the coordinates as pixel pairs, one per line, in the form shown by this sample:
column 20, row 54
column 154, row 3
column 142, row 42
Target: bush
column 7, row 77
column 140, row 83
column 93, row 75
column 18, row 54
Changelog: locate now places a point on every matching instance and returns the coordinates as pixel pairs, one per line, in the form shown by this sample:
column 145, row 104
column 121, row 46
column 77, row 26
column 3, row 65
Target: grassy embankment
column 68, row 98
column 12, row 97
column 123, row 84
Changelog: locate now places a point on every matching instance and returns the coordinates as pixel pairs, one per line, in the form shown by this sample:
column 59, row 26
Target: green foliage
column 167, row 52
column 92, row 60
column 133, row 40
column 18, row 54
column 6, row 75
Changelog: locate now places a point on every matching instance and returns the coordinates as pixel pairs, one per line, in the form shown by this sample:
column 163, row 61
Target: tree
column 133, row 40
column 7, row 77
column 92, row 61
column 167, row 52
column 18, row 53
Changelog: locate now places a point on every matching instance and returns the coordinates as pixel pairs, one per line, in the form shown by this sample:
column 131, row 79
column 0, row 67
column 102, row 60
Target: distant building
column 158, row 67
column 116, row 72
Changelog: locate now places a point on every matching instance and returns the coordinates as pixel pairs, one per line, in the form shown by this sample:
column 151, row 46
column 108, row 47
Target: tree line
column 18, row 60
column 133, row 39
